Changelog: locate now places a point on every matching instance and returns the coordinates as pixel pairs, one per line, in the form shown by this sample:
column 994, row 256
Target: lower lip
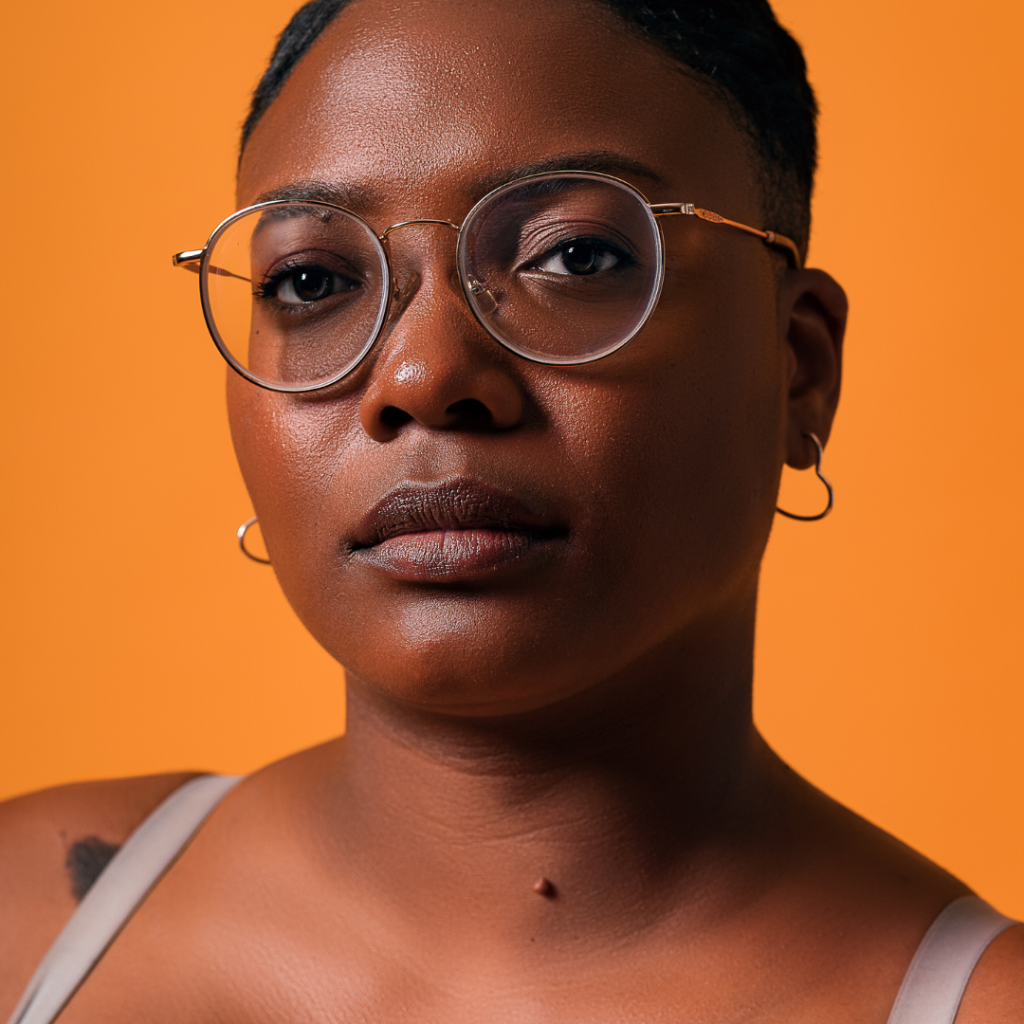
column 439, row 555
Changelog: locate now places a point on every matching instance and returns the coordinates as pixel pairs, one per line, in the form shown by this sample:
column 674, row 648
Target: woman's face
column 464, row 529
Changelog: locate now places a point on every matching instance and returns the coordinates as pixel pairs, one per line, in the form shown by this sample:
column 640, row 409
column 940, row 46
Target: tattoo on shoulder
column 85, row 861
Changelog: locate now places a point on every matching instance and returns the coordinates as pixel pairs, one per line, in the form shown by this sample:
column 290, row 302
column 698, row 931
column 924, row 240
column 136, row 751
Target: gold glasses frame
column 476, row 294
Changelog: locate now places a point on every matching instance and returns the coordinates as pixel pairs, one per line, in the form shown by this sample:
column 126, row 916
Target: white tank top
column 930, row 994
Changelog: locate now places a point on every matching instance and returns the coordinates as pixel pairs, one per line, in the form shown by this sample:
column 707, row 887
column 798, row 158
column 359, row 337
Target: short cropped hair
column 735, row 48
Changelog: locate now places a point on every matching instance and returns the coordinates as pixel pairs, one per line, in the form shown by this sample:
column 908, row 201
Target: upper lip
column 455, row 504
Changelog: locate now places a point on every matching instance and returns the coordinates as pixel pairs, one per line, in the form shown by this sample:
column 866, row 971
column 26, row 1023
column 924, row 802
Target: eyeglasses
column 561, row 268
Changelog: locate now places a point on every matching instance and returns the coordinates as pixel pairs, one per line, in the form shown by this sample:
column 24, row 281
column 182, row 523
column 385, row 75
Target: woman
column 519, row 484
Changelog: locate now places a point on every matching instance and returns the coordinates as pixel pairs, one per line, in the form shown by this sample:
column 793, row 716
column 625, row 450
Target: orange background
column 137, row 638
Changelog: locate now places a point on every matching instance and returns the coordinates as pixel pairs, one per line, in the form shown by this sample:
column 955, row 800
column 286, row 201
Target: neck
column 637, row 794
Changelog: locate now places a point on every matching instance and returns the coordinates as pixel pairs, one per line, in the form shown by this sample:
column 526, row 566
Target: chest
column 169, row 968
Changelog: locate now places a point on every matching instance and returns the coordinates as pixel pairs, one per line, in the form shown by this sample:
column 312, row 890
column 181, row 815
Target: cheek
column 294, row 454
column 684, row 445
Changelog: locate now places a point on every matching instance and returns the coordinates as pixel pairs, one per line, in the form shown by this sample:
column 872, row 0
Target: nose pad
column 402, row 293
column 485, row 300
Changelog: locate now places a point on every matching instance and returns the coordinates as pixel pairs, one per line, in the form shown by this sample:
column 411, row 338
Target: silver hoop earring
column 822, row 478
column 242, row 531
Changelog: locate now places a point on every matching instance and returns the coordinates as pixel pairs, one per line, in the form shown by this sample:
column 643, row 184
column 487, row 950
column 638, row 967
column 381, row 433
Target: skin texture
column 580, row 715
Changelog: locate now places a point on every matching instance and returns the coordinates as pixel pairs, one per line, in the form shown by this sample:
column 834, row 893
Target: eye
column 301, row 285
column 582, row 257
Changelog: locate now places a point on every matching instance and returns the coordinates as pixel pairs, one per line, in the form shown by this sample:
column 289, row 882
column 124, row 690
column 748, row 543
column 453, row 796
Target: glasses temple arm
column 191, row 260
column 188, row 260
column 768, row 237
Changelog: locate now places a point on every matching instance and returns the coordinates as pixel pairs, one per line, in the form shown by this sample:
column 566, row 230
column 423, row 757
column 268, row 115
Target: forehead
column 416, row 105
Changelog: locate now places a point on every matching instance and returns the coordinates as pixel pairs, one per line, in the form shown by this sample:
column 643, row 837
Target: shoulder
column 995, row 994
column 38, row 831
column 52, row 844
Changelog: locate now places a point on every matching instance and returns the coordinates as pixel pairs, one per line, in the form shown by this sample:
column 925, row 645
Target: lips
column 457, row 529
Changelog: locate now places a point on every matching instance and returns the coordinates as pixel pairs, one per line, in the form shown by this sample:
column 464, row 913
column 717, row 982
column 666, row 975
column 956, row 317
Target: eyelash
column 625, row 259
column 267, row 289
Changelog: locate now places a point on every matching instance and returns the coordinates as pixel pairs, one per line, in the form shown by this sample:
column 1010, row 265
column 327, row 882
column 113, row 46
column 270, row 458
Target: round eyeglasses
column 561, row 268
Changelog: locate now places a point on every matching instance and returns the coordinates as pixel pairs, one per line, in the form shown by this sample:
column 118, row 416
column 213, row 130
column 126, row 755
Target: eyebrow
column 603, row 162
column 312, row 190
column 351, row 196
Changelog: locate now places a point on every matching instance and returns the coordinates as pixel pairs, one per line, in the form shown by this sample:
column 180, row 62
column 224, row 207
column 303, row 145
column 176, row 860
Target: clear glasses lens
column 559, row 268
column 562, row 268
column 295, row 293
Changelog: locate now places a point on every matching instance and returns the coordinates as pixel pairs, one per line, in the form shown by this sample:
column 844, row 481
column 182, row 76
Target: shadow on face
column 466, row 529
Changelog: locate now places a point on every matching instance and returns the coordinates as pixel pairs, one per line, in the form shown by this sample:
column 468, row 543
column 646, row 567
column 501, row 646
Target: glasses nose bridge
column 398, row 291
column 409, row 223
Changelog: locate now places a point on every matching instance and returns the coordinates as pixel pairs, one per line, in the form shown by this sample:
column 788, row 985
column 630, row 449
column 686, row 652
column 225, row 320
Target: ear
column 812, row 322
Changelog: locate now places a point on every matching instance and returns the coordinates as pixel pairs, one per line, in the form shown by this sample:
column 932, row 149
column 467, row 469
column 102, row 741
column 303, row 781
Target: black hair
column 737, row 48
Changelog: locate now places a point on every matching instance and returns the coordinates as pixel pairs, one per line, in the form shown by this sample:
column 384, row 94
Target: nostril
column 469, row 412
column 392, row 417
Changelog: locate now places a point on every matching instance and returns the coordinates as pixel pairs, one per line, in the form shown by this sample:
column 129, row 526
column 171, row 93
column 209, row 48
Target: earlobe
column 813, row 311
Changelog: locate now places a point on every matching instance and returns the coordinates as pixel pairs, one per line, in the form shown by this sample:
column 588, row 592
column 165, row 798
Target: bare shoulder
column 38, row 831
column 996, row 992
column 52, row 845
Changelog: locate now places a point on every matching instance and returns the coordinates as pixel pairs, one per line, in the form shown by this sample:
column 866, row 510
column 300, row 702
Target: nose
column 437, row 366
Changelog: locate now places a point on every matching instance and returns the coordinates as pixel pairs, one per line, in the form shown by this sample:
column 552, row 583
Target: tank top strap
column 931, row 992
column 118, row 892
column 934, row 984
